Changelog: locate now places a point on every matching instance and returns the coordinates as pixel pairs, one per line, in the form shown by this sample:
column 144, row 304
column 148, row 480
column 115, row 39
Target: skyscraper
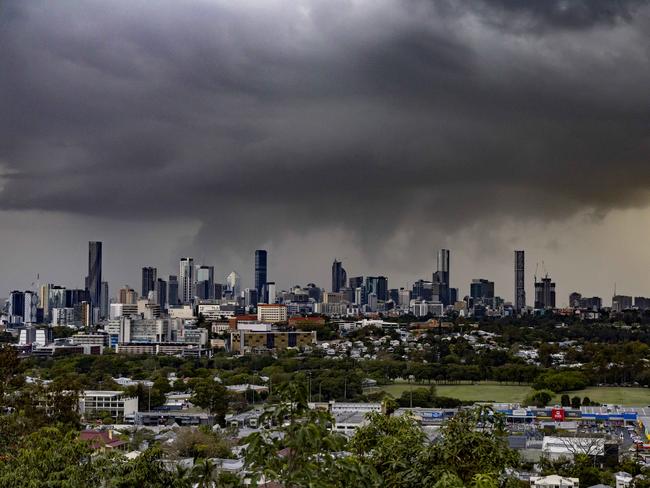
column 17, row 304
column 149, row 277
column 481, row 289
column 377, row 285
column 260, row 272
column 172, row 291
column 104, row 300
column 544, row 293
column 356, row 282
column 442, row 276
column 339, row 276
column 233, row 282
column 160, row 292
column 94, row 278
column 205, row 282
column 520, row 289
column 186, row 280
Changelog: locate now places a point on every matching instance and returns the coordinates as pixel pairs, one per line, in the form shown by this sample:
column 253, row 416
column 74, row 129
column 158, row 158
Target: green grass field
column 515, row 393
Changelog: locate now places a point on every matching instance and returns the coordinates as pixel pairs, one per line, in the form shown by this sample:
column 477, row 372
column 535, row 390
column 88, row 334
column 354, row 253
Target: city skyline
column 371, row 131
column 189, row 287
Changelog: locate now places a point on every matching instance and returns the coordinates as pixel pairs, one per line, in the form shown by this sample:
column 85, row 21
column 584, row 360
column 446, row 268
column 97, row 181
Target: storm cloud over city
column 372, row 131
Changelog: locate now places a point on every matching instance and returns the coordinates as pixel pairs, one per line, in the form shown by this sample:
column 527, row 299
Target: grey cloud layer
column 263, row 117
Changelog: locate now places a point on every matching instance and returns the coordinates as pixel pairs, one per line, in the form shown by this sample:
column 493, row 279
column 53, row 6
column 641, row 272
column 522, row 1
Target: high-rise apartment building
column 339, row 276
column 94, row 278
column 149, row 277
column 186, row 276
column 520, row 288
column 260, row 272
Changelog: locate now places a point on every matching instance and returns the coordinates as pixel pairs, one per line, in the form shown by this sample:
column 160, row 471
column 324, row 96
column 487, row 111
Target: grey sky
column 373, row 131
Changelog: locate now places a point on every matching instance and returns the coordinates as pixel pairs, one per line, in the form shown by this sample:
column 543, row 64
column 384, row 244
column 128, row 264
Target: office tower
column 250, row 297
column 642, row 303
column 372, row 302
column 149, row 277
column 218, row 291
column 104, row 300
column 76, row 296
column 481, row 289
column 404, row 298
column 393, row 294
column 520, row 288
column 314, row 292
column 270, row 292
column 619, row 303
column 186, row 276
column 544, row 293
column 56, row 297
column 160, row 293
column 442, row 276
column 339, row 276
column 574, row 299
column 17, row 305
column 453, row 295
column 94, row 278
column 205, row 282
column 379, row 286
column 30, row 307
column 356, row 282
column 128, row 295
column 43, row 299
column 260, row 272
column 360, row 295
column 348, row 294
column 423, row 290
column 233, row 282
column 172, row 291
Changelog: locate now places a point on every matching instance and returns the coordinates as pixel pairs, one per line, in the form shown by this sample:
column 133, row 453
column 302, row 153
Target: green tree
column 211, row 395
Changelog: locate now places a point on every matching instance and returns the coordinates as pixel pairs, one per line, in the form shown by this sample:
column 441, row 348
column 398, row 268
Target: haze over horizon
column 374, row 132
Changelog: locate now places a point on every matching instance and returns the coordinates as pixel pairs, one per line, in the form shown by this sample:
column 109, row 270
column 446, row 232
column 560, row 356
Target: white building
column 144, row 330
column 553, row 481
column 31, row 304
column 271, row 313
column 115, row 403
column 117, row 310
column 62, row 316
column 623, row 479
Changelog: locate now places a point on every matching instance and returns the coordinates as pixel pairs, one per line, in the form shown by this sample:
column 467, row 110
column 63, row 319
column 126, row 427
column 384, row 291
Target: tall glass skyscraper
column 520, row 290
column 339, row 276
column 149, row 277
column 94, row 278
column 260, row 272
column 442, row 276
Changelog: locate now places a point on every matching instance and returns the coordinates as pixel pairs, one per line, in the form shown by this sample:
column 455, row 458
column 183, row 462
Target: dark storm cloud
column 573, row 14
column 261, row 117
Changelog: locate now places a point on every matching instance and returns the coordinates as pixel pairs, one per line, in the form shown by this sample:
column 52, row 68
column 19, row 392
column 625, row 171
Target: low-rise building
column 272, row 313
column 116, row 403
column 553, row 481
column 243, row 341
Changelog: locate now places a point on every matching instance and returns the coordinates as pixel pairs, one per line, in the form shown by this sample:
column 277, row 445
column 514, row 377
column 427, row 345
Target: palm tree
column 203, row 473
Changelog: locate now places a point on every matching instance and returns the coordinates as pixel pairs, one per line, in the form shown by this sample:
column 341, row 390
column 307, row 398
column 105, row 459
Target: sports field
column 495, row 392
